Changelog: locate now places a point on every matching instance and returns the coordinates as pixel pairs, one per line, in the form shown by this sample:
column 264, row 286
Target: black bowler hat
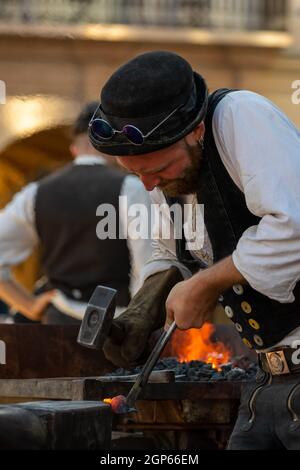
column 147, row 90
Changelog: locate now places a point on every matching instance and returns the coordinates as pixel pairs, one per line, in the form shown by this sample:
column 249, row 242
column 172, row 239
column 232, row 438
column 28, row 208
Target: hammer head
column 98, row 317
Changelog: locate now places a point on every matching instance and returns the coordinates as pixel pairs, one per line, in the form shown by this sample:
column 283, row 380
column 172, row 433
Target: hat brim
column 181, row 124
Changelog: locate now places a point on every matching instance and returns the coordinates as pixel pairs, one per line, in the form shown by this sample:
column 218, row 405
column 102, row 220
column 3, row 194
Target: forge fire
column 194, row 356
column 197, row 345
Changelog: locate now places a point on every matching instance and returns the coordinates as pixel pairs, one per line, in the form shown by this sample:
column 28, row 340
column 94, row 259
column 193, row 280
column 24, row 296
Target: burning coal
column 194, row 356
column 239, row 368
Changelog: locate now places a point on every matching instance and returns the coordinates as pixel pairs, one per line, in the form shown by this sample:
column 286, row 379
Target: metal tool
column 156, row 376
column 128, row 405
column 97, row 323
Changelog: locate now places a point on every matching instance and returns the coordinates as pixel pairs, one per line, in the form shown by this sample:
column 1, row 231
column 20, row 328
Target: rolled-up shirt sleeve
column 139, row 248
column 17, row 230
column 260, row 148
column 163, row 249
column 147, row 255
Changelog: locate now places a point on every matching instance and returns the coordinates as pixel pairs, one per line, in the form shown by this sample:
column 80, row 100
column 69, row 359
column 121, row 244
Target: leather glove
column 145, row 314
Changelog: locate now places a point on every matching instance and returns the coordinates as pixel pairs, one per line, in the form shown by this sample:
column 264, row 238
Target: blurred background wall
column 56, row 54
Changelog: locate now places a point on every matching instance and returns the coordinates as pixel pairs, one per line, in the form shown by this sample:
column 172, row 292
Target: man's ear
column 197, row 133
column 74, row 151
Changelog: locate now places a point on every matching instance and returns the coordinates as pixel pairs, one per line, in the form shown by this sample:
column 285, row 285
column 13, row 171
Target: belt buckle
column 277, row 362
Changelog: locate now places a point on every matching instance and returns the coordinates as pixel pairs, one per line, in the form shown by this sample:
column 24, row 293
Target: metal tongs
column 129, row 401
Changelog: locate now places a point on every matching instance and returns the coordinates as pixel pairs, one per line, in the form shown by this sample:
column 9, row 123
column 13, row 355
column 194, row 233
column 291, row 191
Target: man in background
column 60, row 212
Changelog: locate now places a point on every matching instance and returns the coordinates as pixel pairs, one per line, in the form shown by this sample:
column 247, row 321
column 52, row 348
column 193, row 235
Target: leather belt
column 280, row 361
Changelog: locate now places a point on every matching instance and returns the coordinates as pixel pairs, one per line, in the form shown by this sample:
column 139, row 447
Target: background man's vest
column 261, row 322
column 66, row 221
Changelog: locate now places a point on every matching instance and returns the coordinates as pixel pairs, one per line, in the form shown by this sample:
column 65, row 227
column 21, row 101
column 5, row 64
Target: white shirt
column 18, row 234
column 260, row 148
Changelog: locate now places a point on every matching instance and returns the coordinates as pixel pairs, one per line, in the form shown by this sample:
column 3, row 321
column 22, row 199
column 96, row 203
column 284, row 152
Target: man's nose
column 150, row 181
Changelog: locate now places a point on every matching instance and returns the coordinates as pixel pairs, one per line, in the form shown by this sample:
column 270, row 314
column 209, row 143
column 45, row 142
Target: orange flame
column 195, row 344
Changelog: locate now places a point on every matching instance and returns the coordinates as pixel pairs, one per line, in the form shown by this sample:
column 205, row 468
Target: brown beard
column 189, row 182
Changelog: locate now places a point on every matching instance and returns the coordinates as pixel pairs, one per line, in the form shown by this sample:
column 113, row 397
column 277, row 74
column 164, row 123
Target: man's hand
column 145, row 314
column 192, row 302
column 23, row 301
column 39, row 305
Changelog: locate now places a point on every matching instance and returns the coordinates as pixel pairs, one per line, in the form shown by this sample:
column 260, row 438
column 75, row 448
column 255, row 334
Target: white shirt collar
column 90, row 160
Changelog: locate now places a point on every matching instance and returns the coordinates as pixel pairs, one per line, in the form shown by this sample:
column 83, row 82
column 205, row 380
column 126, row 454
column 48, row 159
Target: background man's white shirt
column 18, row 234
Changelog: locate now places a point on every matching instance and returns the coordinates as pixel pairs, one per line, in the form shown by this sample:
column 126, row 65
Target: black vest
column 261, row 322
column 73, row 257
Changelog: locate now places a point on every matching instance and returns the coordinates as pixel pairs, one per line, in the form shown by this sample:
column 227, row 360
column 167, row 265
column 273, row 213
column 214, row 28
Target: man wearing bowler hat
column 238, row 155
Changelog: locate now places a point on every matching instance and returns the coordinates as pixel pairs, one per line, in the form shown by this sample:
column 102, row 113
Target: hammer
column 97, row 323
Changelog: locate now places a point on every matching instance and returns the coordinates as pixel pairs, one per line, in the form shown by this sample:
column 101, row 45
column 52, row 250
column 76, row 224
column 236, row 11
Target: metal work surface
column 55, row 425
column 94, row 389
column 183, row 415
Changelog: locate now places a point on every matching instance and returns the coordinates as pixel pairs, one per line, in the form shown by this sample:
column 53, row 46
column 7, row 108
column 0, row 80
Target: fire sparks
column 196, row 344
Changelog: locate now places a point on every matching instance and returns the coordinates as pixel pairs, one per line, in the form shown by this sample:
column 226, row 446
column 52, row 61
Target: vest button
column 247, row 343
column 239, row 327
column 254, row 324
column 246, row 307
column 229, row 311
column 238, row 289
column 258, row 340
column 221, row 298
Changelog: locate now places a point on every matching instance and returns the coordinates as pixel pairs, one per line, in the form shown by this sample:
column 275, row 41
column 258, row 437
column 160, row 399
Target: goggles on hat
column 102, row 130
